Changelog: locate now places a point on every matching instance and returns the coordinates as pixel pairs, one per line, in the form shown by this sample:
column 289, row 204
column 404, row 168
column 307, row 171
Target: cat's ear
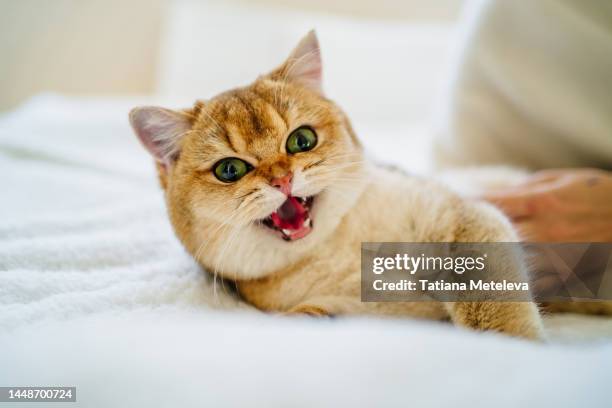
column 304, row 64
column 160, row 130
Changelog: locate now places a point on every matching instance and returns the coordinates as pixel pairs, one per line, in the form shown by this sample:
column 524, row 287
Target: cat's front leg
column 307, row 309
column 519, row 319
column 328, row 306
column 483, row 223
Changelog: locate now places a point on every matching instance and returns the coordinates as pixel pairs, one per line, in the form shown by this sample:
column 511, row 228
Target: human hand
column 561, row 205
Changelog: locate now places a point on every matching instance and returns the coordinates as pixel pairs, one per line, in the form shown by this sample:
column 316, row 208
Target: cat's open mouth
column 291, row 220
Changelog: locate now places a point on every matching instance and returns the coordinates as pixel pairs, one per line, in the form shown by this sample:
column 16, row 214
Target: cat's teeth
column 307, row 222
column 286, row 231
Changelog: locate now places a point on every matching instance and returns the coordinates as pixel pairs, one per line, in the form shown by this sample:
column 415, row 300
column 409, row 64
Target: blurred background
column 383, row 59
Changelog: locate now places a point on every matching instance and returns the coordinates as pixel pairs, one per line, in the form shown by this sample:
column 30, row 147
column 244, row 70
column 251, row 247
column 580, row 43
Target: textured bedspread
column 96, row 292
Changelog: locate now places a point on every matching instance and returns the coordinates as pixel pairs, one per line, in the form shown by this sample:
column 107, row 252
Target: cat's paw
column 516, row 319
column 308, row 310
column 529, row 329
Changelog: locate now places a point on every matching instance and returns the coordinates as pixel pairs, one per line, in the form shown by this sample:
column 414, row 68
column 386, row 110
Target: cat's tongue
column 291, row 215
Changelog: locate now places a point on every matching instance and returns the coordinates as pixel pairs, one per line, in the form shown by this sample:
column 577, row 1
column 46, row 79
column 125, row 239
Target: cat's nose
column 283, row 183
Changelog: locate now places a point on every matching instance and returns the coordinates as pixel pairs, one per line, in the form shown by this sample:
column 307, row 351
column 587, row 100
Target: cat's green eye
column 301, row 140
column 231, row 169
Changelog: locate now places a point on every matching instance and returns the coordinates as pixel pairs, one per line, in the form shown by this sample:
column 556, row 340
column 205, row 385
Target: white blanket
column 97, row 293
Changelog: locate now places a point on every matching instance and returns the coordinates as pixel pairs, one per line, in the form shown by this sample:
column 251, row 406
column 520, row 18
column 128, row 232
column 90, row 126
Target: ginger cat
column 267, row 186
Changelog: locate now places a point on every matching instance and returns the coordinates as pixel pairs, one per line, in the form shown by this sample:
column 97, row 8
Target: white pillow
column 377, row 71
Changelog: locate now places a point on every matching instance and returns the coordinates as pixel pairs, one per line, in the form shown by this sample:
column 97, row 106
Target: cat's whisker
column 325, row 171
column 229, row 242
column 327, row 163
column 217, row 231
column 214, row 275
column 248, row 194
column 334, row 161
column 249, row 200
column 333, row 176
column 221, row 253
column 332, row 173
column 220, row 259
column 342, row 156
column 314, row 164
